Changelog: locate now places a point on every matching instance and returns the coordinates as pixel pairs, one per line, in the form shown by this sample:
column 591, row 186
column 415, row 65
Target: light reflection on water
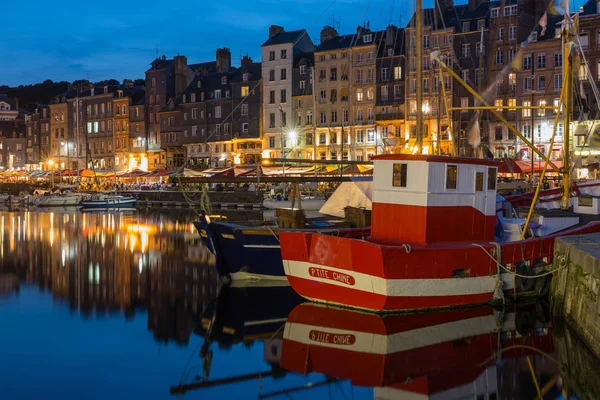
column 125, row 306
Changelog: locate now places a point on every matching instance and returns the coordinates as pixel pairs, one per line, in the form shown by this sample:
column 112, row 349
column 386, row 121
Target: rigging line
column 315, row 21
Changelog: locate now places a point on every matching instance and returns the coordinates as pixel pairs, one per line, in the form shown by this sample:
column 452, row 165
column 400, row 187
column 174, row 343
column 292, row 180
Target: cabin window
column 491, row 178
column 451, row 176
column 479, row 181
column 399, row 175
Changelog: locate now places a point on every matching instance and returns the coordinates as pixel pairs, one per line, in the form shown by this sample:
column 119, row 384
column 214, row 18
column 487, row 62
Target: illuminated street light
column 293, row 137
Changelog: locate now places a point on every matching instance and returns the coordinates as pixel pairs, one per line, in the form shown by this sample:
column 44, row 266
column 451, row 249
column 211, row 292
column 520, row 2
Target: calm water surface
column 127, row 306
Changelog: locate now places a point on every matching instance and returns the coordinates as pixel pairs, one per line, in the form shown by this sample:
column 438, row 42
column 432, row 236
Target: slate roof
column 6, row 99
column 347, row 41
column 285, row 37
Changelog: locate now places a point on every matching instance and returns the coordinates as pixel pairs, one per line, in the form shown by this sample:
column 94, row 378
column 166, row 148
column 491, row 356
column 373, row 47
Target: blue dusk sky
column 83, row 39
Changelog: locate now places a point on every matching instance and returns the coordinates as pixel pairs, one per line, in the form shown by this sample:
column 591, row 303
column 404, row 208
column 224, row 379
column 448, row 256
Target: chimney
column 180, row 69
column 16, row 100
column 445, row 4
column 105, row 87
column 127, row 83
column 328, row 33
column 223, row 60
column 473, row 4
column 597, row 6
column 274, row 30
column 92, row 91
column 390, row 35
column 246, row 62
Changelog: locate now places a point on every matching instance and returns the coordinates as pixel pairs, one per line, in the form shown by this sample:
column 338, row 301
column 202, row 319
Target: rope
column 273, row 233
column 515, row 273
column 407, row 248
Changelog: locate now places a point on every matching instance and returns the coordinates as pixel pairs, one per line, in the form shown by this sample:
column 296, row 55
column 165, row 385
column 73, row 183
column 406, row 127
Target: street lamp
column 50, row 164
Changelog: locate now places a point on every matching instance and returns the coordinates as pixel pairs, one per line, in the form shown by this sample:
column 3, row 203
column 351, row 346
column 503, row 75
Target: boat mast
column 419, row 77
column 567, row 77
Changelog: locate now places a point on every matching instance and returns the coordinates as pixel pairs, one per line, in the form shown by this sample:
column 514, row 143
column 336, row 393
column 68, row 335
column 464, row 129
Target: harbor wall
column 574, row 292
column 578, row 365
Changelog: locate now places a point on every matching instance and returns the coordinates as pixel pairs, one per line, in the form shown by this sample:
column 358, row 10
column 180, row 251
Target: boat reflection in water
column 442, row 355
column 245, row 312
column 102, row 263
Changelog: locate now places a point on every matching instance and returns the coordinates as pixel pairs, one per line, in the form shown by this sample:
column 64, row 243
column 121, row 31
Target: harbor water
column 127, row 306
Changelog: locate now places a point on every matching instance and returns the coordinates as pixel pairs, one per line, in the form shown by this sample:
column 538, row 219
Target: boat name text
column 332, row 275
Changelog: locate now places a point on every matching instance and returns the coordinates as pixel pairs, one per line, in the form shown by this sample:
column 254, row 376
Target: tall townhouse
column 390, row 94
column 13, row 141
column 122, row 128
column 99, row 127
column 43, row 112
column 302, row 98
column 278, row 55
column 345, row 87
column 589, row 34
column 33, row 129
column 246, row 95
column 539, row 83
column 138, row 134
column 471, row 39
column 438, row 35
column 511, row 23
column 58, row 132
column 167, row 79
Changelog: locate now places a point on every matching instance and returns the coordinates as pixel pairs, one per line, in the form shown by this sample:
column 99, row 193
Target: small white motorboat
column 108, row 201
column 59, row 200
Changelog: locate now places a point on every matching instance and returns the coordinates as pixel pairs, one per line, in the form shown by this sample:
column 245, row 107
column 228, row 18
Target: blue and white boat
column 108, row 201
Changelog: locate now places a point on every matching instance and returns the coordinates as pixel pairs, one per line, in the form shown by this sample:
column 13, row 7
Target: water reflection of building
column 101, row 264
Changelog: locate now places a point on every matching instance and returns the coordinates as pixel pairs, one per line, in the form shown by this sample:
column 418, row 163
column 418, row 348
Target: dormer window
column 119, row 93
column 390, row 52
column 368, row 38
column 223, row 80
column 183, row 99
column 245, row 77
column 193, row 97
column 199, row 84
column 302, row 69
column 217, row 94
column 533, row 37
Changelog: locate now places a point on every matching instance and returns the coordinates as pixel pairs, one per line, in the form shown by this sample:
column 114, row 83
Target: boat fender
column 525, row 322
column 528, row 283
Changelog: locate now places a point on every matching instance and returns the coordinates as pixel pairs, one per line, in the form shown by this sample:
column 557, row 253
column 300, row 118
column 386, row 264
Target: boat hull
column 109, row 203
column 58, row 201
column 384, row 278
column 244, row 252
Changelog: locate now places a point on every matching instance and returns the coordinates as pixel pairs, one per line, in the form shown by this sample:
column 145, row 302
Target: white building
column 9, row 110
column 278, row 54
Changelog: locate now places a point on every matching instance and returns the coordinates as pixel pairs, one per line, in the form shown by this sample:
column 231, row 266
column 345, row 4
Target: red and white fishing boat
column 450, row 354
column 438, row 239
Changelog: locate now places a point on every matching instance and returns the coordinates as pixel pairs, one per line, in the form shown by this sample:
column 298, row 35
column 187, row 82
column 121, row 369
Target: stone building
column 278, row 55
column 138, row 134
column 390, row 93
column 58, row 133
column 38, row 132
column 12, row 144
column 511, row 23
column 438, row 35
column 303, row 102
column 345, row 86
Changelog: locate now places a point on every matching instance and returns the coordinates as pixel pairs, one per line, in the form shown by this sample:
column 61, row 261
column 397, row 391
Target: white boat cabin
column 430, row 199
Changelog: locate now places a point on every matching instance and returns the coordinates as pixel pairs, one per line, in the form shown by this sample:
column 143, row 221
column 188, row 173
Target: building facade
column 278, row 54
